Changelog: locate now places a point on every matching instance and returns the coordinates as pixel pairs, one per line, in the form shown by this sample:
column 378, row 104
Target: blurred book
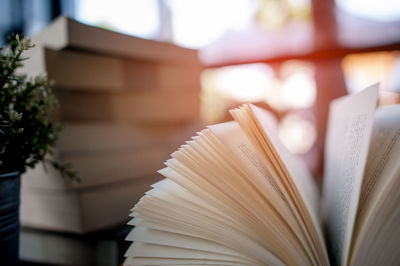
column 126, row 104
column 81, row 211
column 65, row 33
column 145, row 107
column 88, row 71
column 105, row 247
column 105, row 154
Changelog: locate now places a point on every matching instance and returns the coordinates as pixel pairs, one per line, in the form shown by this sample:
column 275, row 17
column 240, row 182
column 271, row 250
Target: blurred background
column 291, row 57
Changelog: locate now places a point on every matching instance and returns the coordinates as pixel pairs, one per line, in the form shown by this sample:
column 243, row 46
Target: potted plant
column 27, row 135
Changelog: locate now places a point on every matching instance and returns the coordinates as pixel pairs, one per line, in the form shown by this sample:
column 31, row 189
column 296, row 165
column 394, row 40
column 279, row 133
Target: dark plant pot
column 9, row 218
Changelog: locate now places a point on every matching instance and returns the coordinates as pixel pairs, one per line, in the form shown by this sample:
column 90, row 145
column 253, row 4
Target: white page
column 233, row 137
column 236, row 141
column 140, row 249
column 300, row 175
column 384, row 149
column 153, row 236
column 130, row 261
column 378, row 190
column 347, row 141
column 295, row 174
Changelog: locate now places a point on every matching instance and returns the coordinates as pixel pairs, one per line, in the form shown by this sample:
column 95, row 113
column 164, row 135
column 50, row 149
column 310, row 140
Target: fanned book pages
column 234, row 195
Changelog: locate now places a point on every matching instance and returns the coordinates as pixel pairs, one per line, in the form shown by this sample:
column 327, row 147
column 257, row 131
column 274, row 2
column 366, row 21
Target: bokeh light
column 197, row 23
column 383, row 10
column 246, row 83
column 134, row 17
column 296, row 133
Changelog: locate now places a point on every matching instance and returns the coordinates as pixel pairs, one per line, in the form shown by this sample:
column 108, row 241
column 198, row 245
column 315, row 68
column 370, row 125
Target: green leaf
column 26, row 110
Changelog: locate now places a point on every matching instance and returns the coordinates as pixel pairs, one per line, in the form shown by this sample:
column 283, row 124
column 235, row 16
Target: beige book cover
column 65, row 32
column 85, row 71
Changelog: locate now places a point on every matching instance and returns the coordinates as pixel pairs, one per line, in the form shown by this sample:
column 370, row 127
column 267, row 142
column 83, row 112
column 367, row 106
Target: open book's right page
column 347, row 141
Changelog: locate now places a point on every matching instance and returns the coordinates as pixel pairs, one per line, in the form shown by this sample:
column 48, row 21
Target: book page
column 300, row 175
column 182, row 213
column 378, row 205
column 383, row 150
column 235, row 140
column 260, row 127
column 347, row 142
column 172, row 239
column 213, row 195
column 263, row 177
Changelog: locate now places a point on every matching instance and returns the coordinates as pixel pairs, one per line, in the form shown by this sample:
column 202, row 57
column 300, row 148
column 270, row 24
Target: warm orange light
column 363, row 70
column 226, row 87
column 247, row 83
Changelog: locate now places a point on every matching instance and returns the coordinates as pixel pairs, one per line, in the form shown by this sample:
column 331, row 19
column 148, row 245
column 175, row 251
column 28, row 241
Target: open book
column 234, row 195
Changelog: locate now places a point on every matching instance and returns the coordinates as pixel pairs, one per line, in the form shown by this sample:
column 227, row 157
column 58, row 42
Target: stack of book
column 126, row 103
